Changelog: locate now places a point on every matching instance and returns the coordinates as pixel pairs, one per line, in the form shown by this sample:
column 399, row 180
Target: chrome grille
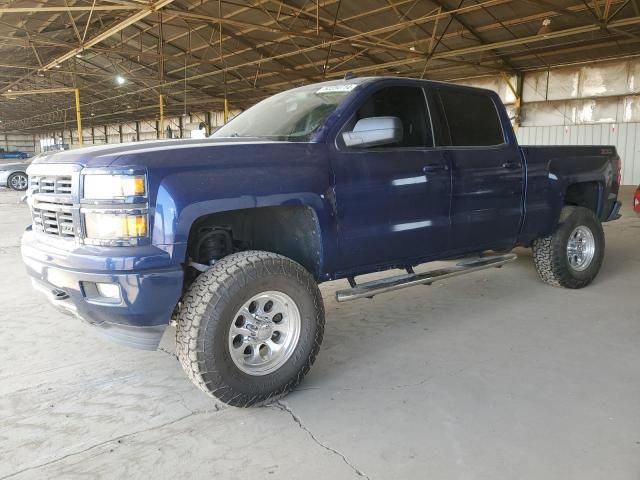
column 53, row 199
column 53, row 219
column 51, row 184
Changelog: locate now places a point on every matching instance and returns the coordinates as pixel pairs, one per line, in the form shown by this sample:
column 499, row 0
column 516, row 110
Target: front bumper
column 148, row 295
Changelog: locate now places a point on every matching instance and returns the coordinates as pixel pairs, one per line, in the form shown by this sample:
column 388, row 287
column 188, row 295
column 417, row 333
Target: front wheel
column 18, row 181
column 572, row 256
column 250, row 328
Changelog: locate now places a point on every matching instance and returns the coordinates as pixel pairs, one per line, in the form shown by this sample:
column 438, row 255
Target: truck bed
column 561, row 174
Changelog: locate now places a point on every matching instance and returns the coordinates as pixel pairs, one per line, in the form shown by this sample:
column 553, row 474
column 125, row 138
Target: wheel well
column 290, row 230
column 585, row 194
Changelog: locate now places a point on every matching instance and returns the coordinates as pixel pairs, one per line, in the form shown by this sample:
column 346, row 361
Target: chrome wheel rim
column 19, row 182
column 264, row 333
column 581, row 248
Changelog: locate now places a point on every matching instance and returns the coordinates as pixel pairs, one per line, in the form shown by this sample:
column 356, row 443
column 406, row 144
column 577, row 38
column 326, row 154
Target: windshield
column 294, row 115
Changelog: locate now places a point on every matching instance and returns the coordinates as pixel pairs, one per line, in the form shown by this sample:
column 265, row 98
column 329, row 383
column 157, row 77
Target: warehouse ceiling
column 123, row 54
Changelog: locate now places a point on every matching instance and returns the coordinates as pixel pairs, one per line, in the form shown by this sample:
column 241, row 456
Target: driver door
column 393, row 199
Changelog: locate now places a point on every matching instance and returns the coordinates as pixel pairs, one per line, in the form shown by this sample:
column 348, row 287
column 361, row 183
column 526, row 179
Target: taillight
column 636, row 201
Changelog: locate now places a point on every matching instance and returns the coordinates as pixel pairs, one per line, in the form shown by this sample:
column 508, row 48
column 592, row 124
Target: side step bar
column 375, row 287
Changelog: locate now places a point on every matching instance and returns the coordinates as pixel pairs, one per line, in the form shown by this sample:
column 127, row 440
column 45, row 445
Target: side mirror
column 374, row 131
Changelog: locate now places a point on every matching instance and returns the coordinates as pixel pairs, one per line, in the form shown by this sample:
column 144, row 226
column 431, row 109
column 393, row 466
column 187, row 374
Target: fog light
column 109, row 290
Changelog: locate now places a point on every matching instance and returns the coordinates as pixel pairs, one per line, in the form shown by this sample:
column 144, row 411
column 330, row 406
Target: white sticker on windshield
column 337, row 88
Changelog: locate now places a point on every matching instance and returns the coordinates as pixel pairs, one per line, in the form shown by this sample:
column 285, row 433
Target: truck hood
column 143, row 153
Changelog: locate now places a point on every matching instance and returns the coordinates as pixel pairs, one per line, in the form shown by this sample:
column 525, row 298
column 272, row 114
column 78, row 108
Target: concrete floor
column 488, row 376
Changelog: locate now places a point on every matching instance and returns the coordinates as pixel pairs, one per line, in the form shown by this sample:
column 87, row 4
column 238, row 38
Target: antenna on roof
column 349, row 76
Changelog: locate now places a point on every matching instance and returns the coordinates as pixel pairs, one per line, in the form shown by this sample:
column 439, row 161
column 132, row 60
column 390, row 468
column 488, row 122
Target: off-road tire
column 550, row 253
column 209, row 307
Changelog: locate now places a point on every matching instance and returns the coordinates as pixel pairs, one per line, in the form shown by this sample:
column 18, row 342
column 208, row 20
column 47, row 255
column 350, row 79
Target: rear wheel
column 250, row 328
column 18, row 181
column 572, row 256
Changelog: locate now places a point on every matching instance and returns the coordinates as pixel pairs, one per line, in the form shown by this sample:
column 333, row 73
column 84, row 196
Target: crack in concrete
column 168, row 352
column 115, row 439
column 285, row 408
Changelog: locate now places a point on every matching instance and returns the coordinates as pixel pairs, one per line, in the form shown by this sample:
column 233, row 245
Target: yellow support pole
column 161, row 116
column 517, row 104
column 78, row 118
column 226, row 110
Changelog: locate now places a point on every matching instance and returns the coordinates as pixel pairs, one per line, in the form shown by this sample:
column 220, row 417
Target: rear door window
column 471, row 117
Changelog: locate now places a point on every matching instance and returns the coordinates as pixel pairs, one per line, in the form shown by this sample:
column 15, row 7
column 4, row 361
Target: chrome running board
column 389, row 284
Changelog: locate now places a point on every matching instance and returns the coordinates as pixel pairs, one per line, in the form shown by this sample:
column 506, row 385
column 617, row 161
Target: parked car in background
column 14, row 175
column 636, row 201
column 17, row 155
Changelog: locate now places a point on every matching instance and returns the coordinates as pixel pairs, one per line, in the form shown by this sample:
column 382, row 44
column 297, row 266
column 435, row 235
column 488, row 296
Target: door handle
column 436, row 167
column 511, row 165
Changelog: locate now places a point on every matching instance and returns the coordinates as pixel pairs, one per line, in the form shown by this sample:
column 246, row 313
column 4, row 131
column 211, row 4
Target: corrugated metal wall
column 625, row 137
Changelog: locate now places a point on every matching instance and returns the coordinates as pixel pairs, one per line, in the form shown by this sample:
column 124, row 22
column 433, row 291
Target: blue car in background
column 18, row 155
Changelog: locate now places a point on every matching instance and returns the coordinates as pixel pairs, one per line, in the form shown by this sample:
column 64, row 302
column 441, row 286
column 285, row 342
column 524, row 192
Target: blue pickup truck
column 229, row 236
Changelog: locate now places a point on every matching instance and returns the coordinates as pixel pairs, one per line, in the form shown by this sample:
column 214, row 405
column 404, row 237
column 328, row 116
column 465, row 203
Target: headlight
column 114, row 226
column 115, row 207
column 108, row 187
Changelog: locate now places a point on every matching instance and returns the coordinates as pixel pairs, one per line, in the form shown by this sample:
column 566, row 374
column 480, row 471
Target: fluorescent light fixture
column 546, row 29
